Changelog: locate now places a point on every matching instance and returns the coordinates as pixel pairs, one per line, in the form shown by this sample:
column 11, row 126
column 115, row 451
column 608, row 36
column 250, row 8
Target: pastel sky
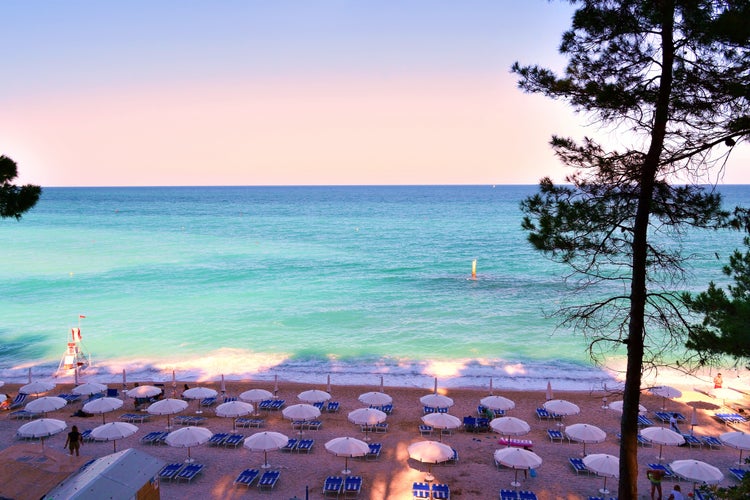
column 282, row 92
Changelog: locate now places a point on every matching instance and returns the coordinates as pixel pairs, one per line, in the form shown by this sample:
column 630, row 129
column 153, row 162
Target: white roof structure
column 118, row 476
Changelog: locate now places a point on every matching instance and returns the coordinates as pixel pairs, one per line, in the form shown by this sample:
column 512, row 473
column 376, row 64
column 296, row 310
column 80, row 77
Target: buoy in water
column 474, row 269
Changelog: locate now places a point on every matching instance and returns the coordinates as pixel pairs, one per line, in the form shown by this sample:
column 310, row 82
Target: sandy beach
column 391, row 476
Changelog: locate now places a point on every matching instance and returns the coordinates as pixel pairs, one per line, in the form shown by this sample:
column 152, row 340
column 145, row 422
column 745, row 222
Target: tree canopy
column 670, row 79
column 15, row 200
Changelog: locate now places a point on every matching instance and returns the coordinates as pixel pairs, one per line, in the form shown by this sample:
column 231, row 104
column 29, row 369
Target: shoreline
column 391, row 476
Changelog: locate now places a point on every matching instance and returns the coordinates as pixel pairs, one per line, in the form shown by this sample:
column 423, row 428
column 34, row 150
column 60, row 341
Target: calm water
column 299, row 282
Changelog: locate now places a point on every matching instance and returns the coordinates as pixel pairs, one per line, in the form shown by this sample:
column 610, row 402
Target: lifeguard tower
column 75, row 357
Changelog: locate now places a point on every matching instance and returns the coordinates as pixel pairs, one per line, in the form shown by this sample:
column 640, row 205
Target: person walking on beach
column 718, row 381
column 74, row 441
column 673, row 424
column 655, row 476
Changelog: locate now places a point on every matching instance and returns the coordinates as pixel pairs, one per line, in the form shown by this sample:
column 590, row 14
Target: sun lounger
column 420, row 490
column 387, row 409
column 700, row 495
column 250, row 422
column 169, row 471
column 332, row 486
column 205, row 402
column 712, row 442
column 290, row 445
column 738, row 473
column 189, row 472
column 374, row 452
column 94, row 397
column 233, row 440
column 218, row 438
column 70, row 398
column 332, row 406
column 508, row 495
column 668, row 473
column 426, row 410
column 441, row 491
column 543, row 414
column 425, row 430
column 644, row 421
column 112, row 393
column 304, row 445
column 517, row 443
column 247, row 477
column 578, row 465
column 86, row 436
column 154, row 437
column 268, row 480
column 135, row 417
column 526, row 495
column 314, row 425
column 692, row 440
column 319, row 405
column 454, row 459
column 24, row 415
column 352, row 486
column 730, row 418
column 228, row 399
column 18, row 401
column 555, row 435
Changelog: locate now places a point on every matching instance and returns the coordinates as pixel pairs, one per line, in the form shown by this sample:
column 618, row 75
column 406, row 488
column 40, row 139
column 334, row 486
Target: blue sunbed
column 333, row 485
column 269, row 479
column 247, row 477
column 189, row 472
column 169, row 471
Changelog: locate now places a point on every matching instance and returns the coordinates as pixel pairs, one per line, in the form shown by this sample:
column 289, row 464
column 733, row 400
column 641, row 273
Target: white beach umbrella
column 603, row 465
column 510, row 426
column 561, row 407
column 45, row 404
column 266, row 441
column 366, row 417
column 697, row 471
column 441, row 421
column 736, row 439
column 666, row 392
column 548, row 394
column 89, row 388
column 430, row 452
column 517, row 458
column 663, row 437
column 617, row 406
column 113, row 431
column 256, row 395
column 347, row 447
column 37, row 387
column 41, row 428
column 188, row 437
column 313, row 396
column 436, row 401
column 143, row 391
column 585, row 433
column 101, row 406
column 199, row 393
column 167, row 407
column 497, row 403
column 234, row 409
column 375, row 398
column 301, row 411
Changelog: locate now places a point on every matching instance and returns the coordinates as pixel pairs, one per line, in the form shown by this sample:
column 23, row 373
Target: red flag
column 81, row 316
column 76, row 334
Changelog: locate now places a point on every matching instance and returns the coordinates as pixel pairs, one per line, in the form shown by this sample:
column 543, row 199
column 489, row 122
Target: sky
column 283, row 92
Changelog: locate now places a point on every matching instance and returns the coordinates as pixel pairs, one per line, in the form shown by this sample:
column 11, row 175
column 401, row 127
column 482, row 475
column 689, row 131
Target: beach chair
column 352, row 486
column 265, row 405
column 313, row 425
column 332, row 486
column 702, row 495
column 169, row 471
column 420, row 490
column 18, row 401
column 374, row 452
column 333, row 406
column 250, row 422
column 112, row 393
column 469, row 423
column 268, row 480
column 86, row 436
column 290, row 445
column 543, row 414
column 70, row 398
column 526, row 495
column 319, row 405
column 189, row 472
column 730, row 418
column 692, row 440
column 247, row 477
column 454, row 459
column 441, row 491
column 387, row 409
column 24, row 415
column 381, row 427
column 668, row 472
column 304, row 445
column 277, row 404
column 425, row 430
column 712, row 442
column 508, row 495
column 233, row 440
column 426, row 410
column 555, row 435
column 150, row 437
column 644, row 421
column 228, row 399
column 578, row 465
column 738, row 473
column 218, row 438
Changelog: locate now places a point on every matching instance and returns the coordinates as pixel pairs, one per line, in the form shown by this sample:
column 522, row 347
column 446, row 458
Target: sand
column 392, row 474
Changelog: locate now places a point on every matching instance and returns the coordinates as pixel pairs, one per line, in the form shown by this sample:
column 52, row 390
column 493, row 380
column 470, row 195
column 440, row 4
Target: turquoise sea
column 299, row 283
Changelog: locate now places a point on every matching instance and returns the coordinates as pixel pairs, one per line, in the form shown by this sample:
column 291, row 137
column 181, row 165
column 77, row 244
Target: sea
column 352, row 284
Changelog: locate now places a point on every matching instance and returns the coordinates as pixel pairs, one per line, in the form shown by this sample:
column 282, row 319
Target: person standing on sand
column 655, row 476
column 74, row 441
column 718, row 381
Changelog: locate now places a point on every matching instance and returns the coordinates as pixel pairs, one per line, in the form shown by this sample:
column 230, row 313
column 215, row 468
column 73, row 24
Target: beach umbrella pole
column 266, row 465
column 346, row 466
column 604, row 490
column 515, row 482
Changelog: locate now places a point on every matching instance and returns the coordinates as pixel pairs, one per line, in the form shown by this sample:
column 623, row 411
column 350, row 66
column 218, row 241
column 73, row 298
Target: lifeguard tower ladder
column 75, row 357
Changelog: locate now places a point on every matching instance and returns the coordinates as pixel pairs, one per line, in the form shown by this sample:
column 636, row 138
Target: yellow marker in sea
column 474, row 269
